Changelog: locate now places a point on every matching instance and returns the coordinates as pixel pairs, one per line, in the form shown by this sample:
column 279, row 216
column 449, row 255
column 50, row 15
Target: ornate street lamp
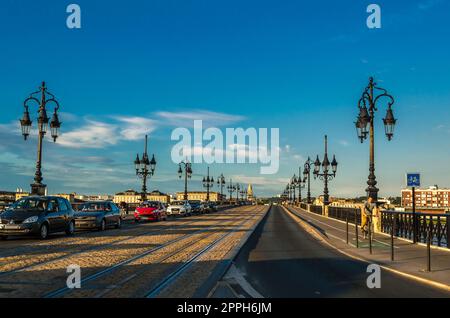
column 237, row 188
column 221, row 183
column 288, row 191
column 208, row 183
column 187, row 174
column 307, row 176
column 231, row 188
column 325, row 175
column 293, row 186
column 38, row 188
column 145, row 168
column 299, row 183
column 366, row 118
column 243, row 194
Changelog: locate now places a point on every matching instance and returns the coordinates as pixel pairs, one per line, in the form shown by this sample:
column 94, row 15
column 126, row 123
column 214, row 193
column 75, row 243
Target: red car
column 150, row 211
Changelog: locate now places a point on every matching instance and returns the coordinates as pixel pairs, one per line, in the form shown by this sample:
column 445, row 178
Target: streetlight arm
column 385, row 95
column 52, row 100
column 31, row 98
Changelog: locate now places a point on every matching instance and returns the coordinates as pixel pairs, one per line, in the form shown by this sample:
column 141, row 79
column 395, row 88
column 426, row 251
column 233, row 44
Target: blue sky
column 141, row 67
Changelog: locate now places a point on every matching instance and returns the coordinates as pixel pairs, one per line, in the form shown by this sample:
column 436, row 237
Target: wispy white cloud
column 93, row 134
column 136, row 127
column 426, row 5
column 209, row 118
column 99, row 134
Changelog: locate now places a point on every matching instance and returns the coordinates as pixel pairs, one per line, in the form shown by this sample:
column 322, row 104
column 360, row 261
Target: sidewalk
column 409, row 259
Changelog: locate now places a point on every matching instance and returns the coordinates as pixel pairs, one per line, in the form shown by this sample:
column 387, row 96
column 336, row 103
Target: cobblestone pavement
column 127, row 262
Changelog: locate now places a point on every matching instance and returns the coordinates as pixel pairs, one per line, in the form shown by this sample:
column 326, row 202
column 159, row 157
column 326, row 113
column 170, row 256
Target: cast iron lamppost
column 288, row 191
column 221, row 183
column 243, row 194
column 208, row 183
column 38, row 188
column 325, row 175
column 145, row 168
column 365, row 117
column 187, row 174
column 300, row 184
column 307, row 176
column 293, row 185
column 231, row 188
column 237, row 188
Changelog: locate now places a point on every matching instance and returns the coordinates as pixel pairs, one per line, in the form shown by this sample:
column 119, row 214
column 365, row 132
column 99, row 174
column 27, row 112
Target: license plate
column 12, row 227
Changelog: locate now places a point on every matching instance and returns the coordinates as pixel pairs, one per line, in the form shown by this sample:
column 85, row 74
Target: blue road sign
column 413, row 179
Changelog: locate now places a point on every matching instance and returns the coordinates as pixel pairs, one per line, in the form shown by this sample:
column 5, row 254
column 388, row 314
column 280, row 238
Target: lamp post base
column 38, row 189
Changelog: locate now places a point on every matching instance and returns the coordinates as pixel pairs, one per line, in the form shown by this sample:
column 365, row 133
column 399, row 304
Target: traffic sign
column 413, row 179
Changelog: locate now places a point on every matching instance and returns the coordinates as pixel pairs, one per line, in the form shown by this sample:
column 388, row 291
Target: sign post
column 413, row 181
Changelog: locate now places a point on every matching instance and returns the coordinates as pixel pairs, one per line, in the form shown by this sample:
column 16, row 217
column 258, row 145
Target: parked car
column 197, row 206
column 37, row 215
column 210, row 206
column 98, row 215
column 150, row 211
column 179, row 208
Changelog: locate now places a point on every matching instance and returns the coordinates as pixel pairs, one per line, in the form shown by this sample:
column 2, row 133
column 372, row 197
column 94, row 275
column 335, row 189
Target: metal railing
column 343, row 214
column 316, row 209
column 430, row 227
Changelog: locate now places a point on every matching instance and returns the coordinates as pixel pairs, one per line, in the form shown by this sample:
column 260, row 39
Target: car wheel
column 102, row 225
column 43, row 232
column 71, row 228
column 119, row 223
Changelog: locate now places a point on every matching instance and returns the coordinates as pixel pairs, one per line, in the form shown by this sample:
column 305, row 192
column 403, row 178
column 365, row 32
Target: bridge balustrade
column 342, row 213
column 435, row 225
column 316, row 209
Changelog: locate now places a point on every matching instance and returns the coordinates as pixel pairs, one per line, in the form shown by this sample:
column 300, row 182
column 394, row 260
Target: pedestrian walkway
column 409, row 259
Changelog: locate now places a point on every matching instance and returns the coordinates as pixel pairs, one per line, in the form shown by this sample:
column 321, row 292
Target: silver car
column 179, row 208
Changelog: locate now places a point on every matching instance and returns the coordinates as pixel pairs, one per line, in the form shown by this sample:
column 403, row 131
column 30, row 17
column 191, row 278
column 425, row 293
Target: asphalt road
column 282, row 260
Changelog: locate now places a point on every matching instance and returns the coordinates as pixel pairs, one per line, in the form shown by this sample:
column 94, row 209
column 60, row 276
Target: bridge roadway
column 281, row 259
column 164, row 259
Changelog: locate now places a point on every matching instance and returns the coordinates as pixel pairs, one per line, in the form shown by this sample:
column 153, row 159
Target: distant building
column 250, row 194
column 433, row 197
column 134, row 197
column 68, row 196
column 95, row 197
column 319, row 200
column 201, row 195
column 20, row 195
column 6, row 198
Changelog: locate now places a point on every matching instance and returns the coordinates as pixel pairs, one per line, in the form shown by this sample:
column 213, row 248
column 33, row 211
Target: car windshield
column 35, row 204
column 94, row 207
column 194, row 202
column 150, row 205
column 177, row 203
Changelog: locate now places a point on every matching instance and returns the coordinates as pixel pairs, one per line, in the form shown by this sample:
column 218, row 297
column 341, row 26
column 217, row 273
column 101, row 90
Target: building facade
column 201, row 195
column 433, row 197
column 94, row 197
column 134, row 197
column 68, row 196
